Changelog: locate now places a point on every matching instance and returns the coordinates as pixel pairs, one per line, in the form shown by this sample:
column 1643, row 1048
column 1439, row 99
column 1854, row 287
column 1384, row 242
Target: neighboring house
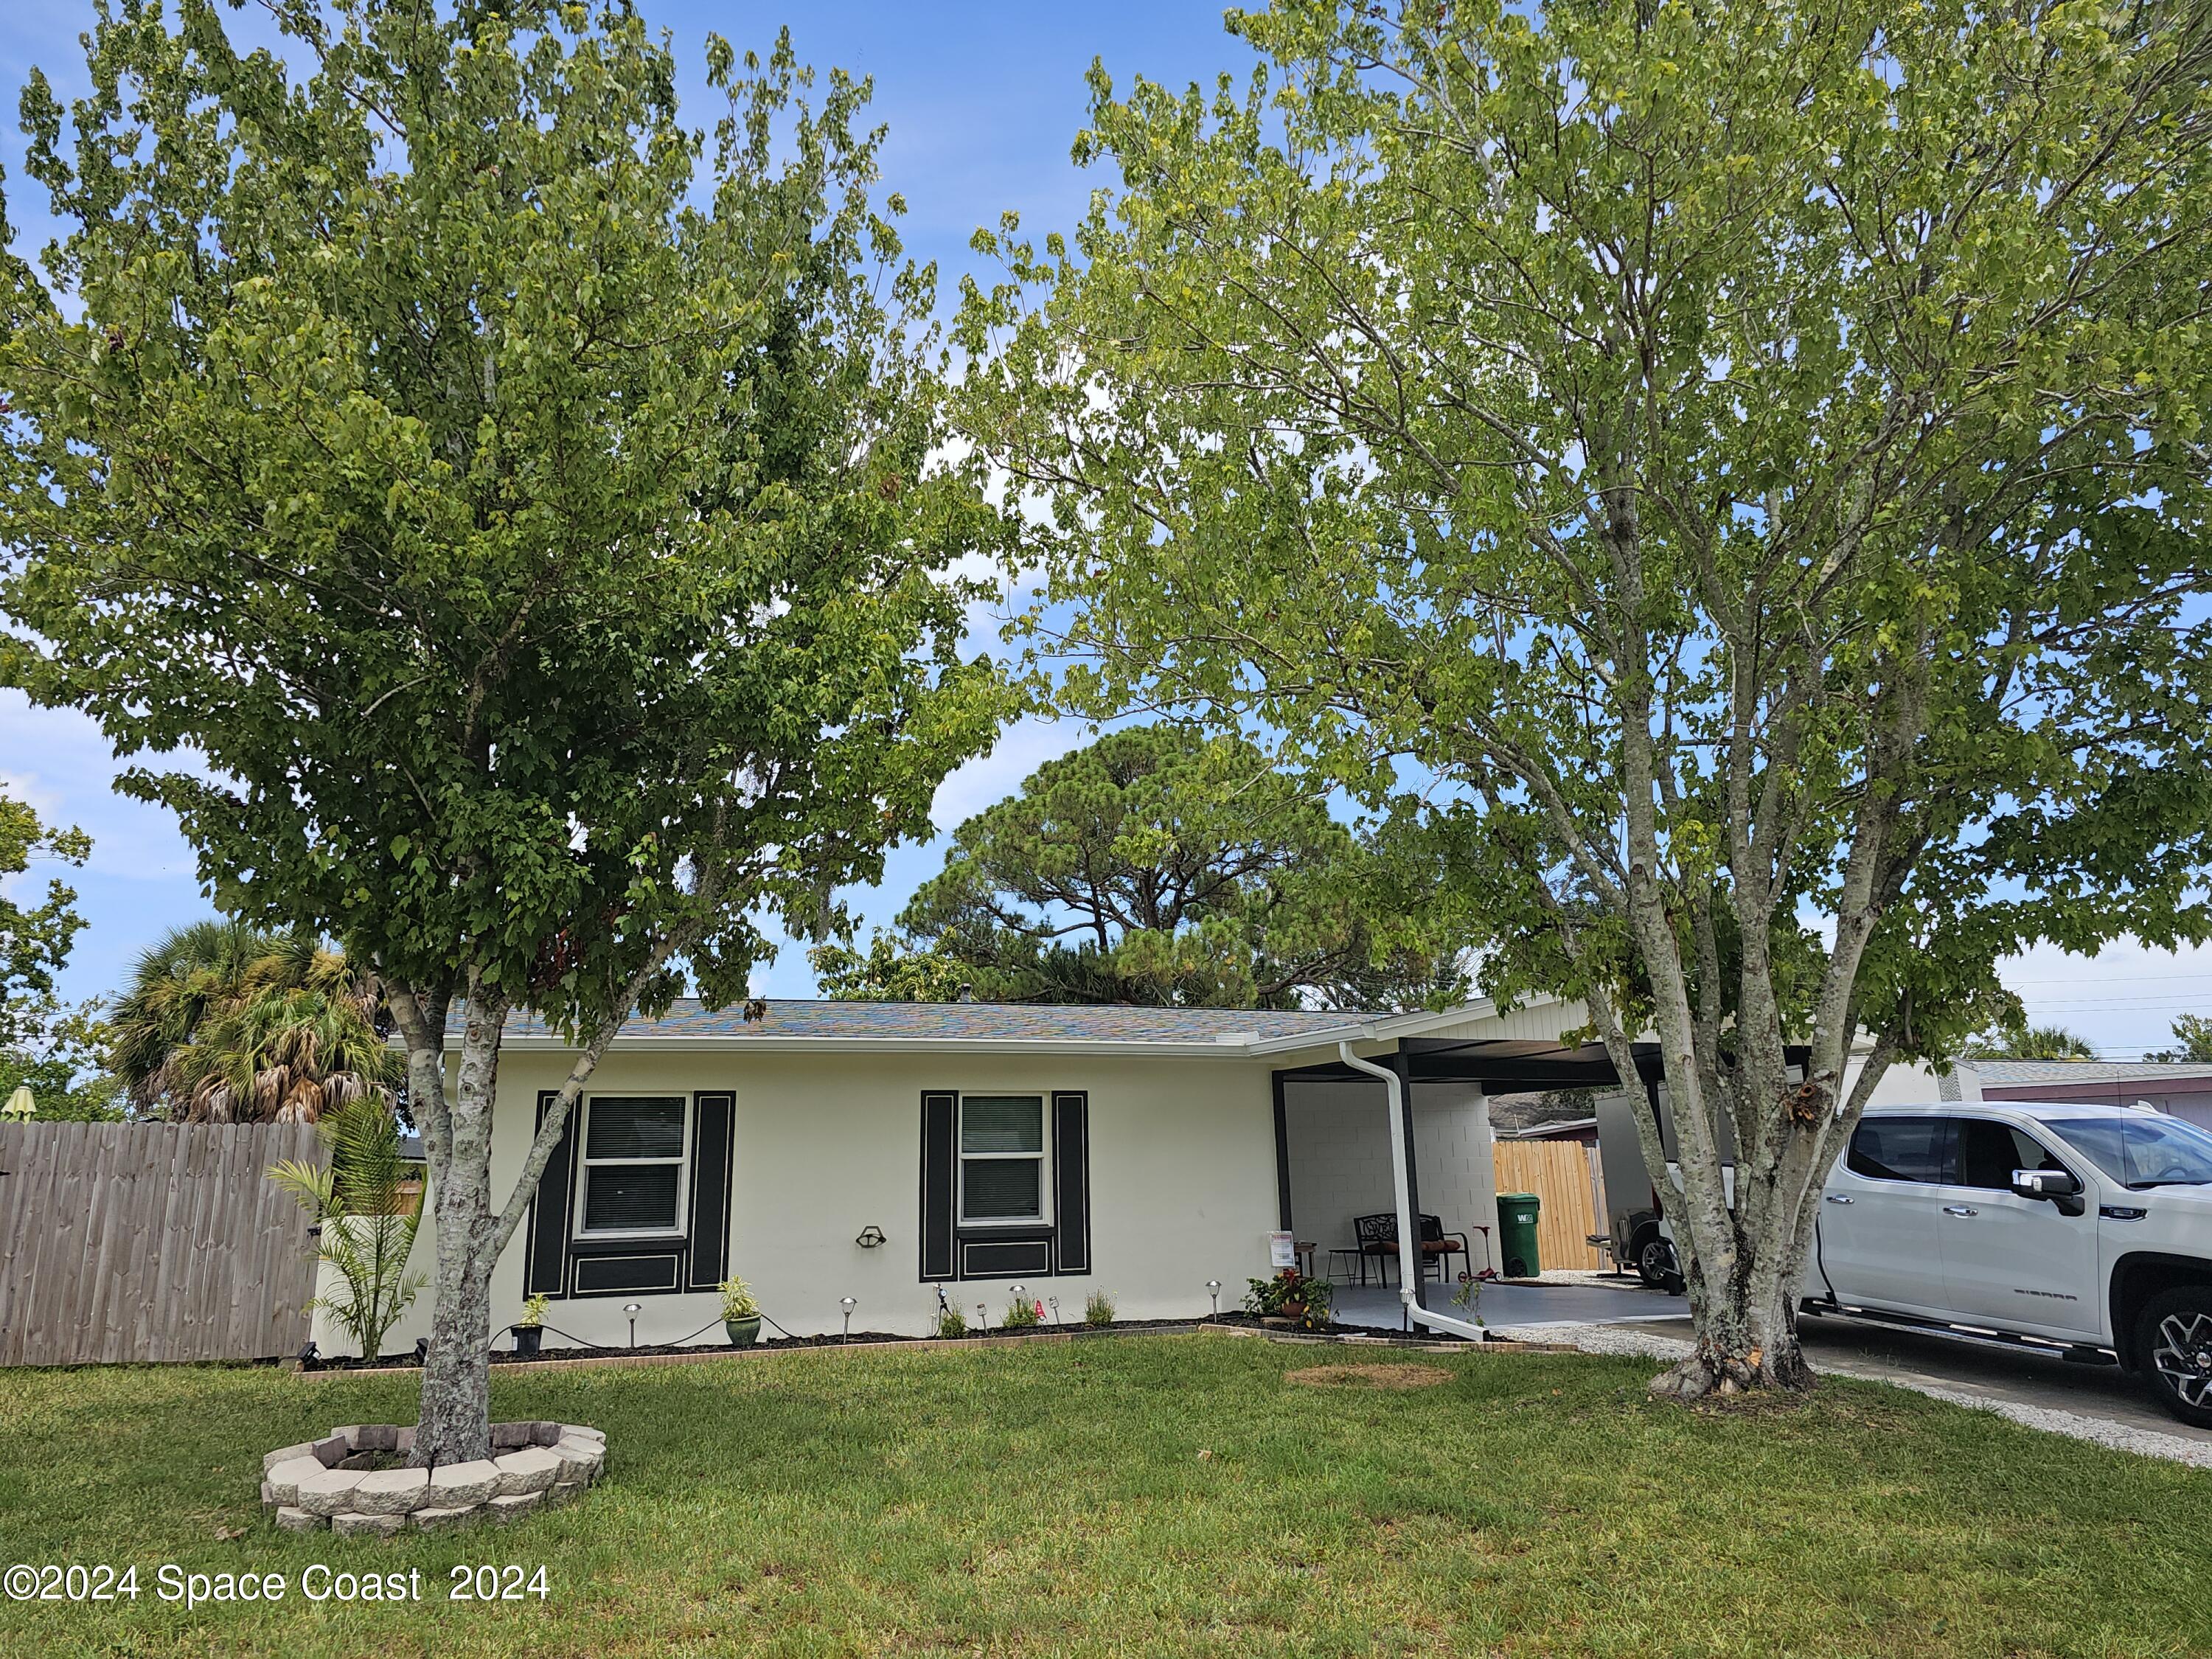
column 2183, row 1088
column 1138, row 1152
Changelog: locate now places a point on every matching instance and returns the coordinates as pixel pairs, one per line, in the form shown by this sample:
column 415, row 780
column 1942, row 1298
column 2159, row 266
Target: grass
column 1165, row 1495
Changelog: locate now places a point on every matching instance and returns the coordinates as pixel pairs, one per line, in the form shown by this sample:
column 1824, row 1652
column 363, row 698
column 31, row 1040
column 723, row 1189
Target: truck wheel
column 2173, row 1341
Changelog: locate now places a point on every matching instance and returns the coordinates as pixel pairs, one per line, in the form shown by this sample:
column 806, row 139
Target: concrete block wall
column 1340, row 1157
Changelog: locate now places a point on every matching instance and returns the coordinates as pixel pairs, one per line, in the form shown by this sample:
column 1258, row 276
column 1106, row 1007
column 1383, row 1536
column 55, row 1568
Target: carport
column 1411, row 1084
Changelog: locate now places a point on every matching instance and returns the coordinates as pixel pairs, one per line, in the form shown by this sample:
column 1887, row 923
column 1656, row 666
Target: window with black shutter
column 1006, row 1185
column 635, row 1197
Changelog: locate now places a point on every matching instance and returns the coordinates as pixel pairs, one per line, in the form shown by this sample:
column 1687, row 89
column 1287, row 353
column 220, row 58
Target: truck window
column 2144, row 1150
column 1989, row 1151
column 1901, row 1149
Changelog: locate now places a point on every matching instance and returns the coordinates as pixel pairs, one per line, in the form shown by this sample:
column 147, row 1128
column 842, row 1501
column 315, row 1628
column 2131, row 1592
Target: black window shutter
column 941, row 1180
column 713, row 1125
column 1071, row 1180
column 546, row 1268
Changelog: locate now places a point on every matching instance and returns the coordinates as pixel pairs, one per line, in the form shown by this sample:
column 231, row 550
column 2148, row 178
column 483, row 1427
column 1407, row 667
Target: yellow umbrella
column 20, row 1104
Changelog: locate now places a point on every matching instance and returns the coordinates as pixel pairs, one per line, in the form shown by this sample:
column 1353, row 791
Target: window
column 634, row 1155
column 1001, row 1158
column 1901, row 1149
column 1989, row 1151
column 2144, row 1150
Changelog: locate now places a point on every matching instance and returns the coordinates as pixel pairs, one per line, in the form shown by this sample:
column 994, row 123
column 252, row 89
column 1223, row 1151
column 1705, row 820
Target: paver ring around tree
column 355, row 1481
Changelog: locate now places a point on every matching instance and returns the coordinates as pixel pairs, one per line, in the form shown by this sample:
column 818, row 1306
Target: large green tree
column 2192, row 1038
column 1747, row 460
column 34, row 938
column 530, row 511
column 1161, row 865
column 54, row 1049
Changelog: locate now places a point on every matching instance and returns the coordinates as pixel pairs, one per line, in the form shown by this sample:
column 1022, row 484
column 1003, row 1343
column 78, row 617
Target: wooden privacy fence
column 151, row 1241
column 1559, row 1172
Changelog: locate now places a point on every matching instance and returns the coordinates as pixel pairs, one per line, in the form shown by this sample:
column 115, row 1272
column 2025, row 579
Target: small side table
column 1304, row 1250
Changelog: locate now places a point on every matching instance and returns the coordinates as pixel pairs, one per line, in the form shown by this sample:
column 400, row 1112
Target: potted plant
column 1291, row 1300
column 530, row 1329
column 741, row 1315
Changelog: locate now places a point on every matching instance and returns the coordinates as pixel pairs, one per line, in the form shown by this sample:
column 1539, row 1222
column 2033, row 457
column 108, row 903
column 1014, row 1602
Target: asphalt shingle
column 982, row 1022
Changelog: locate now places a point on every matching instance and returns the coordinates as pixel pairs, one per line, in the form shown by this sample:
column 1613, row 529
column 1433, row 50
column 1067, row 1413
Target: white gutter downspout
column 1409, row 1225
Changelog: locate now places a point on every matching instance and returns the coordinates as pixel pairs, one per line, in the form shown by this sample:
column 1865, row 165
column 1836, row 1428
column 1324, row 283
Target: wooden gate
column 151, row 1241
column 1559, row 1173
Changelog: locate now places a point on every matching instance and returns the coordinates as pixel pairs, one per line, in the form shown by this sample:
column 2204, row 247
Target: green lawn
column 1054, row 1498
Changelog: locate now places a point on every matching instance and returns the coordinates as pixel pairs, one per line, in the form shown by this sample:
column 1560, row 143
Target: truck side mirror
column 2062, row 1187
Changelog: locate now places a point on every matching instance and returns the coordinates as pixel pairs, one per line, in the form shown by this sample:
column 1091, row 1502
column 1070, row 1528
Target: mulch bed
column 1236, row 1323
column 505, row 1356
column 648, row 1354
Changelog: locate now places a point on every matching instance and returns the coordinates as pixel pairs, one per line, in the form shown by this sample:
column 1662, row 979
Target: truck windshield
column 2143, row 1151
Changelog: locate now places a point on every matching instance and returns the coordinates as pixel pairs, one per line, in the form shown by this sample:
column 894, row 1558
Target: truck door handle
column 1838, row 1197
column 1961, row 1209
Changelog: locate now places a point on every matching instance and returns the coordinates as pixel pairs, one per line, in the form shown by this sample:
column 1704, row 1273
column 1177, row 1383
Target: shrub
column 949, row 1323
column 1020, row 1316
column 533, row 1311
column 1099, row 1309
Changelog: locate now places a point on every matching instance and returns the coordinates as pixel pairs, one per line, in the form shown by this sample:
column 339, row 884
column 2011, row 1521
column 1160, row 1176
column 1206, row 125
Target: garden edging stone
column 337, row 1482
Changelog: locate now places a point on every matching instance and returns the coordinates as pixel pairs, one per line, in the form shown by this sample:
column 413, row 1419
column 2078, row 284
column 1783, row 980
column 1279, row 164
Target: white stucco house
column 883, row 1151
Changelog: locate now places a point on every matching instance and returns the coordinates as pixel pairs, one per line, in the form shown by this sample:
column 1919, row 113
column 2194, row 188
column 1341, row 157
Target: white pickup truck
column 2089, row 1226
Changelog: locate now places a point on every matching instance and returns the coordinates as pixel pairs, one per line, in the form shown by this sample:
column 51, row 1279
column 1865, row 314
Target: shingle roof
column 2003, row 1071
column 957, row 1022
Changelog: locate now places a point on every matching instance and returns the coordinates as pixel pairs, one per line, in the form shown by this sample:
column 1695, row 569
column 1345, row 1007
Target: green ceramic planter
column 744, row 1333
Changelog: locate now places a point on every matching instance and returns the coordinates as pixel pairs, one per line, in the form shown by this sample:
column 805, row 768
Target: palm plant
column 225, row 1023
column 366, row 1217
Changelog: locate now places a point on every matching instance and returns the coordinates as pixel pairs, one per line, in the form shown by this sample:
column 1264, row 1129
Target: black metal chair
column 1378, row 1238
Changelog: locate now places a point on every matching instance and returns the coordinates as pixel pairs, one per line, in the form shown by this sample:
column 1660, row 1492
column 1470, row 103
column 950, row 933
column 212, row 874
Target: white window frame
column 586, row 1163
column 1041, row 1157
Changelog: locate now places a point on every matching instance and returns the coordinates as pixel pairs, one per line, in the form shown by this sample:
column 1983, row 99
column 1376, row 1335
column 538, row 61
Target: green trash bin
column 1517, row 1233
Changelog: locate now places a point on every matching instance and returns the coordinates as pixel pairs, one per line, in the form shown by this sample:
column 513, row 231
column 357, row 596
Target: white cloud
column 1021, row 748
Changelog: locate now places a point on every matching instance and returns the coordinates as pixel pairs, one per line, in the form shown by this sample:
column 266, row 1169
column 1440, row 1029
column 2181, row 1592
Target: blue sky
column 981, row 102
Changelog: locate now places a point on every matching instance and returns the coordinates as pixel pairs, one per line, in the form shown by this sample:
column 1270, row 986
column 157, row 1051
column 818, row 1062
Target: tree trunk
column 1747, row 1326
column 1743, row 1266
column 455, row 1426
column 455, row 1422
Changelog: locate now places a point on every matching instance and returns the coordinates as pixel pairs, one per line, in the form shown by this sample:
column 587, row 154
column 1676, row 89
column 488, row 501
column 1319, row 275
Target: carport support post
column 1282, row 1157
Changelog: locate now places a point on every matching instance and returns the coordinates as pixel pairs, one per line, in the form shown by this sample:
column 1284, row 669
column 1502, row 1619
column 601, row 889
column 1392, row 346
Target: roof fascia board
column 728, row 1041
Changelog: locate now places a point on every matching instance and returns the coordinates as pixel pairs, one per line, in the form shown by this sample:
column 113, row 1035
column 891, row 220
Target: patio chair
column 1378, row 1238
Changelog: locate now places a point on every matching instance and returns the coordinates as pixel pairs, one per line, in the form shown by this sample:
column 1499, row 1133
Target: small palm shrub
column 1099, row 1309
column 949, row 1322
column 1020, row 1316
column 366, row 1225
